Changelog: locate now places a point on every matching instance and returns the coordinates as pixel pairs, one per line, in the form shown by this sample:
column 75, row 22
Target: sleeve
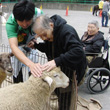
column 74, row 53
column 11, row 27
column 41, row 46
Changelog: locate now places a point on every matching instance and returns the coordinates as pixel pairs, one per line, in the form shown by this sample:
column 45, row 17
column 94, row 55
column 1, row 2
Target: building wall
column 63, row 6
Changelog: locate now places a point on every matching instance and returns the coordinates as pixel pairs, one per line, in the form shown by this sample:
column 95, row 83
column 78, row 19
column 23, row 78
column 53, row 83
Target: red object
column 100, row 13
column 24, row 34
column 67, row 12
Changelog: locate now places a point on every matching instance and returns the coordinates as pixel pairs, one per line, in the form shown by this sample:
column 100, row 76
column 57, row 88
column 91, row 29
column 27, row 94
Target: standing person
column 19, row 30
column 0, row 9
column 62, row 47
column 1, row 6
column 101, row 2
column 105, row 13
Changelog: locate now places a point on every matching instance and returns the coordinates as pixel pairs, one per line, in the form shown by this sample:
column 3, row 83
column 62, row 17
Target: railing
column 58, row 1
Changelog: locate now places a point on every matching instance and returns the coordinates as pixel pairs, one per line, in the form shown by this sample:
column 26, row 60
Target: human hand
column 31, row 43
column 36, row 69
column 49, row 65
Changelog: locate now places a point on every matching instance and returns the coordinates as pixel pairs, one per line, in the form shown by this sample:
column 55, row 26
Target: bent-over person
column 62, row 47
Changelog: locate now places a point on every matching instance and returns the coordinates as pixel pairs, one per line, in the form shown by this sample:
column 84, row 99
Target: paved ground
column 79, row 20
column 0, row 30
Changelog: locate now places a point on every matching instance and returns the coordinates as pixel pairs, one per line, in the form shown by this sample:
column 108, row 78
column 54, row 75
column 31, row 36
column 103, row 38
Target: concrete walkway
column 79, row 20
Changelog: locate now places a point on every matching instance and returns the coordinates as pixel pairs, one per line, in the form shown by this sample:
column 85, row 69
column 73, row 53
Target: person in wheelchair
column 92, row 40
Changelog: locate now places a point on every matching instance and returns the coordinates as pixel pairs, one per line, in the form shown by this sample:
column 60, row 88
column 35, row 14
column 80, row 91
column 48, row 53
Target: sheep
column 34, row 93
column 5, row 66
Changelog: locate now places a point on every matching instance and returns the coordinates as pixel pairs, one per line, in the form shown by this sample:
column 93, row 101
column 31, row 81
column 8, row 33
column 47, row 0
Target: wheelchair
column 98, row 74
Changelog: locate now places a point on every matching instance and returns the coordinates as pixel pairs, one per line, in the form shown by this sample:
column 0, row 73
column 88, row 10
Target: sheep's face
column 60, row 79
column 5, row 63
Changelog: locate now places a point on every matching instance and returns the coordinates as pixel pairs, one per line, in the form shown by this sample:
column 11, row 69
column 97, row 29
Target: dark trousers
column 19, row 77
column 104, row 16
column 64, row 97
column 64, row 100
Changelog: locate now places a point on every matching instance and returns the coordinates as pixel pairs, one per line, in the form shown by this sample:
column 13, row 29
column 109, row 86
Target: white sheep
column 34, row 93
column 5, row 66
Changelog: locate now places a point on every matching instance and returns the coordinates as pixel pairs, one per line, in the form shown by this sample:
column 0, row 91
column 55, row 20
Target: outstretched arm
column 34, row 67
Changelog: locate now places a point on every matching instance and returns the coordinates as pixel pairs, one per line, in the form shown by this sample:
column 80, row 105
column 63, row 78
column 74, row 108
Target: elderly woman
column 92, row 39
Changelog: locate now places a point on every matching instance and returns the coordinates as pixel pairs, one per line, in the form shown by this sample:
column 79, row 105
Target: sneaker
column 106, row 26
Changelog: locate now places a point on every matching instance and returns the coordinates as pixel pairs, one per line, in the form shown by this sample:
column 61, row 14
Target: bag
column 83, row 104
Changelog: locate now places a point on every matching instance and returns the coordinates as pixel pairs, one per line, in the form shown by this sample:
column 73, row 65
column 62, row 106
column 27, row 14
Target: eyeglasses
column 91, row 27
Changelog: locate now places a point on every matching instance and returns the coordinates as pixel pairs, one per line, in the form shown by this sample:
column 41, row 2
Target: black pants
column 64, row 100
column 19, row 77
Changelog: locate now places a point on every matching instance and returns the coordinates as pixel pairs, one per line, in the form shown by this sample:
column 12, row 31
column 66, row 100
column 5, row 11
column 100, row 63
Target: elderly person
column 93, row 39
column 62, row 47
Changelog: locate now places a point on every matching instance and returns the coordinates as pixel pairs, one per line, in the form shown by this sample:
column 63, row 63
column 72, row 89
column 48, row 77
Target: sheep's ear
column 49, row 80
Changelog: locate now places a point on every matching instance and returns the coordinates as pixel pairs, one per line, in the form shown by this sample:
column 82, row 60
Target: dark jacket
column 93, row 43
column 66, row 48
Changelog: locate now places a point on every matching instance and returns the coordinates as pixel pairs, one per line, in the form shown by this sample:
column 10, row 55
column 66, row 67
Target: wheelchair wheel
column 98, row 80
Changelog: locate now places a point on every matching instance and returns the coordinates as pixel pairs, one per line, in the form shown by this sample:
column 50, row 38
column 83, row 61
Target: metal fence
column 35, row 56
column 64, row 95
column 59, row 1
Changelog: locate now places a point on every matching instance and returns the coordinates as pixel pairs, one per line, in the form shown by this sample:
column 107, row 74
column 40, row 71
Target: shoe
column 103, row 26
column 106, row 26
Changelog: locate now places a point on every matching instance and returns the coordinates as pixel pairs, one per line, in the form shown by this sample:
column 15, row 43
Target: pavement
column 0, row 30
column 79, row 20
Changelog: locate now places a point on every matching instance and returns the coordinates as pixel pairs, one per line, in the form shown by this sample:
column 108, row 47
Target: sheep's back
column 23, row 96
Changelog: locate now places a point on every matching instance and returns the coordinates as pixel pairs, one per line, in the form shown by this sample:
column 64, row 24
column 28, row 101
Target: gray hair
column 95, row 23
column 42, row 22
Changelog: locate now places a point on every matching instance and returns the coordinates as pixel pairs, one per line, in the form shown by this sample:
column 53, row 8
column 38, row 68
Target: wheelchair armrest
column 92, row 54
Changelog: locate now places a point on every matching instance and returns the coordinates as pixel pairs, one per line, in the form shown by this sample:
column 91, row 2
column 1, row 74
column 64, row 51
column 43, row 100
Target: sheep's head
column 5, row 63
column 58, row 77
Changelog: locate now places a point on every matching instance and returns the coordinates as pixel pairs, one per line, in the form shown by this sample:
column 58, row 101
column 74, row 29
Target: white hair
column 95, row 23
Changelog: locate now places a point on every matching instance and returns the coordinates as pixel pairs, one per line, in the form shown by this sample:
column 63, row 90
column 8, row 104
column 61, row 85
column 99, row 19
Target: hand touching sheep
column 49, row 65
